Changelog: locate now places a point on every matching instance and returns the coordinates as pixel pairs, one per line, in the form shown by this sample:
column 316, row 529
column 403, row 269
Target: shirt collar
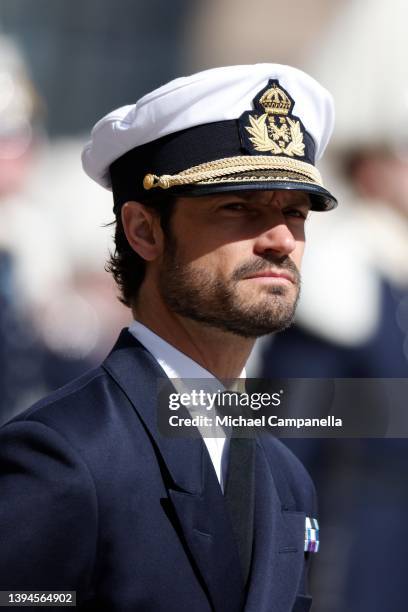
column 175, row 363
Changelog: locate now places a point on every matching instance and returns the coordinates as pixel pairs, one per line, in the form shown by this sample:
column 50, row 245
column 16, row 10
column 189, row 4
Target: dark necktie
column 240, row 496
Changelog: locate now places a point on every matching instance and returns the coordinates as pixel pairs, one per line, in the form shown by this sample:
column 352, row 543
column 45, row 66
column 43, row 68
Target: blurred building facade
column 89, row 59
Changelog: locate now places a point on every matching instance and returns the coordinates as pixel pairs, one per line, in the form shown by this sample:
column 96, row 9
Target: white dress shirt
column 178, row 365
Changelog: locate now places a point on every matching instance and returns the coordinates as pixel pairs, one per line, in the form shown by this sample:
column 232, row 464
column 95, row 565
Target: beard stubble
column 199, row 295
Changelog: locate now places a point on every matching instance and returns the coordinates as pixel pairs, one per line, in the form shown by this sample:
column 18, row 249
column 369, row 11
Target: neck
column 222, row 353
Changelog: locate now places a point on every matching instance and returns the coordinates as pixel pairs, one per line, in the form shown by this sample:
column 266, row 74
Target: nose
column 276, row 239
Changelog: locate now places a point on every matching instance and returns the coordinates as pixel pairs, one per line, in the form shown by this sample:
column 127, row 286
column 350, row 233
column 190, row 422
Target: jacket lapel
column 278, row 541
column 208, row 531
column 189, row 476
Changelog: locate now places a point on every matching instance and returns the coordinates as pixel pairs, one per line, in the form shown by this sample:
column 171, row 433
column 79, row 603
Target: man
column 212, row 176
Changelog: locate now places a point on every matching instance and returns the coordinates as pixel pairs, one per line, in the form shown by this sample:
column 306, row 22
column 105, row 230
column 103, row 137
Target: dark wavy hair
column 126, row 266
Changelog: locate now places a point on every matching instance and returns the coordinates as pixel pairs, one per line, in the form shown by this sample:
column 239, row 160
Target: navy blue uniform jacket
column 94, row 499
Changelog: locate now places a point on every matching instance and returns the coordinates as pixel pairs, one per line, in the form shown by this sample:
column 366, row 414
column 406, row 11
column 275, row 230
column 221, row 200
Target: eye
column 238, row 206
column 296, row 213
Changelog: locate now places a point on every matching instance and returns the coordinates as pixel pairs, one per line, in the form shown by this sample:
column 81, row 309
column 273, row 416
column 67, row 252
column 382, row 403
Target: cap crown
column 214, row 95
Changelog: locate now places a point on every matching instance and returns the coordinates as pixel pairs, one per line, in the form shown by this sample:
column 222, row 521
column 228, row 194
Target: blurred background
column 62, row 67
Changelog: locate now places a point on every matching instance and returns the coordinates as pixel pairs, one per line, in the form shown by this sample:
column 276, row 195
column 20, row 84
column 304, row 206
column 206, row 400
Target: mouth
column 273, row 276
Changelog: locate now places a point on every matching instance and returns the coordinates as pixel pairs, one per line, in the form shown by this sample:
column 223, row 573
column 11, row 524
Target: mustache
column 263, row 264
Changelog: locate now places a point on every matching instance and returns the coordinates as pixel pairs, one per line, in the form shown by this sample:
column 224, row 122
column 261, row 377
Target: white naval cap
column 259, row 126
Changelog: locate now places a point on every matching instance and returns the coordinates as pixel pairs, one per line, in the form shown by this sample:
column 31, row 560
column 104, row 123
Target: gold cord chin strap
column 223, row 170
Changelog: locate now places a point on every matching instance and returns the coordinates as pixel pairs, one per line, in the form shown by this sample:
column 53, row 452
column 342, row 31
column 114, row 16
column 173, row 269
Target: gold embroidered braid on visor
column 246, row 168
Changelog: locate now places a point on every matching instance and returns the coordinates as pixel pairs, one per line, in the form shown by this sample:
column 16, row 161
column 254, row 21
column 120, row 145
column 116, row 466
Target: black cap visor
column 321, row 199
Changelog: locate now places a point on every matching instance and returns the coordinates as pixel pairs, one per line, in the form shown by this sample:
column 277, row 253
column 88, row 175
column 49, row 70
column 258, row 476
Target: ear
column 143, row 231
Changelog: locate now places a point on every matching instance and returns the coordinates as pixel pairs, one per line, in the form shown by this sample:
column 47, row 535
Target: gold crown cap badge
column 275, row 131
column 275, row 101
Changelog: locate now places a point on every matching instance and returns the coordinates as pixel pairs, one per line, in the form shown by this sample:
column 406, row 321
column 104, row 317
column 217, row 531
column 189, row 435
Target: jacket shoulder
column 70, row 393
column 89, row 404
